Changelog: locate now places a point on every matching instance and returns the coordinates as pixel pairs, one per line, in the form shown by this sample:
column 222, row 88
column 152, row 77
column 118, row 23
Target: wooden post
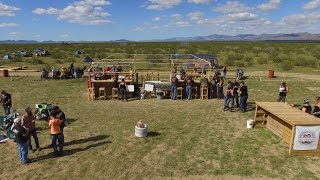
column 293, row 132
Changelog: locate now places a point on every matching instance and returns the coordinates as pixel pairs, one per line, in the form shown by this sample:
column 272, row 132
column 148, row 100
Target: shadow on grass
column 251, row 106
column 85, row 140
column 82, row 141
column 70, row 120
column 69, row 152
column 153, row 134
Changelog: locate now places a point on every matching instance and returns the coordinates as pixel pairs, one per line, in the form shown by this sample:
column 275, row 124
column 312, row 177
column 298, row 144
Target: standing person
column 22, row 140
column 60, row 115
column 174, row 82
column 228, row 99
column 283, row 91
column 56, row 135
column 189, row 84
column 225, row 71
column 243, row 92
column 236, row 87
column 316, row 109
column 306, row 106
column 28, row 122
column 6, row 101
column 123, row 90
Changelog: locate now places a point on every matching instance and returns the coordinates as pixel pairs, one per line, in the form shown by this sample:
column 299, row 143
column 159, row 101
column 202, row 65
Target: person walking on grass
column 283, row 91
column 28, row 122
column 6, row 101
column 243, row 92
column 56, row 136
column 22, row 140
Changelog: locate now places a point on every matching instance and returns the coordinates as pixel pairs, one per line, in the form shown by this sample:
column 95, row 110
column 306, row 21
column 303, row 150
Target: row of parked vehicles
column 63, row 73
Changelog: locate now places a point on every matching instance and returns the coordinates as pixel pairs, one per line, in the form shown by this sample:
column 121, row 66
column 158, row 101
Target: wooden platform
column 282, row 120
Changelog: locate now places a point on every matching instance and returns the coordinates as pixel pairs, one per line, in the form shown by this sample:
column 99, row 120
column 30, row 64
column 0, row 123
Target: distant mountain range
column 214, row 37
column 252, row 37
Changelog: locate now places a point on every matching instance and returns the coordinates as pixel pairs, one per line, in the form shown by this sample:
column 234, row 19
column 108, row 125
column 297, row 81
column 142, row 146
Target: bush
column 287, row 65
column 36, row 60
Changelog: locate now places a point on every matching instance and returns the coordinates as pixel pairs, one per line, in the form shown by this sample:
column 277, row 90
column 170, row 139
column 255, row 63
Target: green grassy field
column 188, row 139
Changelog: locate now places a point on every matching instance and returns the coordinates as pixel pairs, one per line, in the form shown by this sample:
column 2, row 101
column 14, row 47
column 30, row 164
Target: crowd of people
column 25, row 129
column 234, row 93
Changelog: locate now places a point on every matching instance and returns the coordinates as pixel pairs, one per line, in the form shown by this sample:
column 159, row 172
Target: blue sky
column 101, row 20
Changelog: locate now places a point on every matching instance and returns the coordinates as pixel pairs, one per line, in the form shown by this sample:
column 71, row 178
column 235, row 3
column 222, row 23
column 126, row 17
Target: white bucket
column 142, row 96
column 141, row 132
column 250, row 123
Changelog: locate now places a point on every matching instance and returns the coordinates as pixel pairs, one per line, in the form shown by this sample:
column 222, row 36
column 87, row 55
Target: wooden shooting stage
column 283, row 120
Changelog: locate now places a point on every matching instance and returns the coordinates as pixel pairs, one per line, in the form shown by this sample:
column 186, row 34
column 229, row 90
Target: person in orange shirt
column 56, row 135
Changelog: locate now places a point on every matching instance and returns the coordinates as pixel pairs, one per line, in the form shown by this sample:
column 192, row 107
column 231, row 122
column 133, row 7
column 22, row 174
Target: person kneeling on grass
column 306, row 106
column 56, row 135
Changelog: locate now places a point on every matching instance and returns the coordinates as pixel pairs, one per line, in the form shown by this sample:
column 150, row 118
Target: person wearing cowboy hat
column 22, row 140
column 306, row 106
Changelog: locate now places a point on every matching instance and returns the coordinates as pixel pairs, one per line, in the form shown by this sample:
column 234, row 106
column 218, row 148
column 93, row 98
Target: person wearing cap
column 22, row 140
column 28, row 122
column 60, row 115
column 316, row 109
column 6, row 101
column 306, row 106
column 55, row 131
column 283, row 91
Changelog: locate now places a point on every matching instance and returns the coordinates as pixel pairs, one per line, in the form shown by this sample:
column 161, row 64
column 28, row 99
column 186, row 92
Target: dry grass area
column 188, row 139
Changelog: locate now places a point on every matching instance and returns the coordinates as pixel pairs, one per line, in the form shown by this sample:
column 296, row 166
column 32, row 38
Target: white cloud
column 64, row 36
column 176, row 17
column 199, row 1
column 195, row 16
column 182, row 23
column 86, row 12
column 271, row 5
column 301, row 19
column 156, row 19
column 231, row 7
column 162, row 4
column 15, row 33
column 314, row 4
column 36, row 36
column 245, row 16
column 8, row 25
column 6, row 10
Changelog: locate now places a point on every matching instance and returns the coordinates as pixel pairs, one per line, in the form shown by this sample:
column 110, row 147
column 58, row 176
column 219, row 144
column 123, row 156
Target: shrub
column 36, row 60
column 287, row 65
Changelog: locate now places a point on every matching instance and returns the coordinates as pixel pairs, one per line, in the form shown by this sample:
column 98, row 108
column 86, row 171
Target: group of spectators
column 236, row 95
column 25, row 129
column 306, row 107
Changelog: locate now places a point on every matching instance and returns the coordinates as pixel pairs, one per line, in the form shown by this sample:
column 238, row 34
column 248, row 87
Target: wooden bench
column 283, row 120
